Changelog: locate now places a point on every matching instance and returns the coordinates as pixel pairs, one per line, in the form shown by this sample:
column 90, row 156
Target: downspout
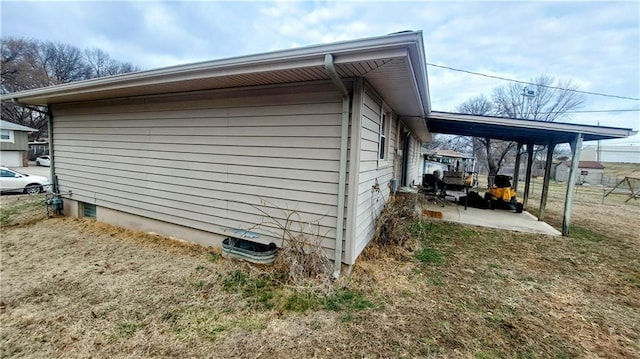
column 52, row 164
column 342, row 179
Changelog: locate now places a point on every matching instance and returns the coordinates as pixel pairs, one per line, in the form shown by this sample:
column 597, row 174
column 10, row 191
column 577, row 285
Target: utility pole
column 527, row 95
column 598, row 148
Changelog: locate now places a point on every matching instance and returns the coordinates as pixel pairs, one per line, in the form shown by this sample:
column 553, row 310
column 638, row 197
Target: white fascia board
column 146, row 79
column 415, row 86
column 418, row 59
column 362, row 56
column 420, row 124
column 167, row 78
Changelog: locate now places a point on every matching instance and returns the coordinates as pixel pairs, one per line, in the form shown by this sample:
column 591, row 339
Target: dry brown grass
column 18, row 210
column 76, row 288
column 622, row 170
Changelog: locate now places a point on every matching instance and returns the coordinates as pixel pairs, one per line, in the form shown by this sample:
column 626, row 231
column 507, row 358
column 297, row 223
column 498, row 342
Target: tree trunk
column 491, row 164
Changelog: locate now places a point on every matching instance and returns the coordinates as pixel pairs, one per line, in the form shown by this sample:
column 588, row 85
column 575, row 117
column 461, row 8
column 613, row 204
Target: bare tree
column 29, row 64
column 547, row 100
column 478, row 105
column 495, row 153
column 62, row 63
column 35, row 117
column 20, row 72
column 17, row 67
column 492, row 153
column 449, row 142
column 101, row 64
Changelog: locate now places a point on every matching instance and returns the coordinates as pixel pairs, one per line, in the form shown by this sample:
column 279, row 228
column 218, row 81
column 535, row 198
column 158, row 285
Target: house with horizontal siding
column 591, row 172
column 319, row 135
column 611, row 153
column 14, row 141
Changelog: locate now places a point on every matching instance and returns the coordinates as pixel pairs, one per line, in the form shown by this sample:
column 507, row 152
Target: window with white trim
column 383, row 142
column 6, row 136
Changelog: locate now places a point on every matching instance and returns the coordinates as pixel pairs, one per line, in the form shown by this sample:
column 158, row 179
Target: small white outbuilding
column 590, row 172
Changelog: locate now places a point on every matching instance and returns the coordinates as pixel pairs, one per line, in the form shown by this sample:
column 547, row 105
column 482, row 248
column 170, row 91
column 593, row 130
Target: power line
column 603, row 111
column 533, row 84
column 592, row 111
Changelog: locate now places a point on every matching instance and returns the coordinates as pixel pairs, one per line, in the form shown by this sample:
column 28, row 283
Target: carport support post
column 527, row 182
column 516, row 169
column 576, row 148
column 547, row 176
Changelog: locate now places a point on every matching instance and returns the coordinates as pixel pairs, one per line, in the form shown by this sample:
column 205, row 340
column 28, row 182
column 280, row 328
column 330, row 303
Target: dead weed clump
column 391, row 227
column 302, row 260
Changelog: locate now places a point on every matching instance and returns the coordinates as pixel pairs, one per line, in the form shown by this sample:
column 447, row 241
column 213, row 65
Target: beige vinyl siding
column 371, row 170
column 209, row 160
column 20, row 142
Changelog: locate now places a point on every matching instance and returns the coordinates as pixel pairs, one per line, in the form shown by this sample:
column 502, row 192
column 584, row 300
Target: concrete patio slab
column 494, row 218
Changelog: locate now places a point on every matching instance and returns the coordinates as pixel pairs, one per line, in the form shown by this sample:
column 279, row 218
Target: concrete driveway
column 34, row 170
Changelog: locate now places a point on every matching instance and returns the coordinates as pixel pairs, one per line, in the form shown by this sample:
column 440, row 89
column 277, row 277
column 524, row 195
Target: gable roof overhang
column 519, row 130
column 393, row 64
column 6, row 125
column 595, row 165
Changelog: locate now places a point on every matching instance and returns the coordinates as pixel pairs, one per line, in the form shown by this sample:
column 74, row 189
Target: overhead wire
column 594, row 111
column 532, row 83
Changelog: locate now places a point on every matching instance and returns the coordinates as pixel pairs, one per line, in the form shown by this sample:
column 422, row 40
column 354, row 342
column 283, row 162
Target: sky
column 596, row 45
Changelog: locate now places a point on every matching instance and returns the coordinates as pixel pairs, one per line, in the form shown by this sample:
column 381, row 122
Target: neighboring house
column 215, row 149
column 610, row 153
column 14, row 141
column 37, row 149
column 590, row 172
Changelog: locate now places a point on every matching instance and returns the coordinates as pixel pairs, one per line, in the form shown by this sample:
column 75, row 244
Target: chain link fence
column 18, row 210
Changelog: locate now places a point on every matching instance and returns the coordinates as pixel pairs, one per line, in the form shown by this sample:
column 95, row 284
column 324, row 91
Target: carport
column 529, row 133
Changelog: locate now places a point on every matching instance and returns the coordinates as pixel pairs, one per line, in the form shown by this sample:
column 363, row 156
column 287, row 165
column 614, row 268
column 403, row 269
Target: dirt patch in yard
column 77, row 288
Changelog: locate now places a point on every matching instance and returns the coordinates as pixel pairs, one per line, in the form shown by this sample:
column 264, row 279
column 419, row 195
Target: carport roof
column 519, row 130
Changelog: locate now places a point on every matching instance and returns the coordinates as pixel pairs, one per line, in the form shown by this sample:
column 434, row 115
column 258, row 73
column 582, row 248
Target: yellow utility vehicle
column 502, row 196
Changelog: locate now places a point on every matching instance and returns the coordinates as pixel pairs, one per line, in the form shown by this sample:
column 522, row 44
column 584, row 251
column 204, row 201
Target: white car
column 43, row 161
column 12, row 181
